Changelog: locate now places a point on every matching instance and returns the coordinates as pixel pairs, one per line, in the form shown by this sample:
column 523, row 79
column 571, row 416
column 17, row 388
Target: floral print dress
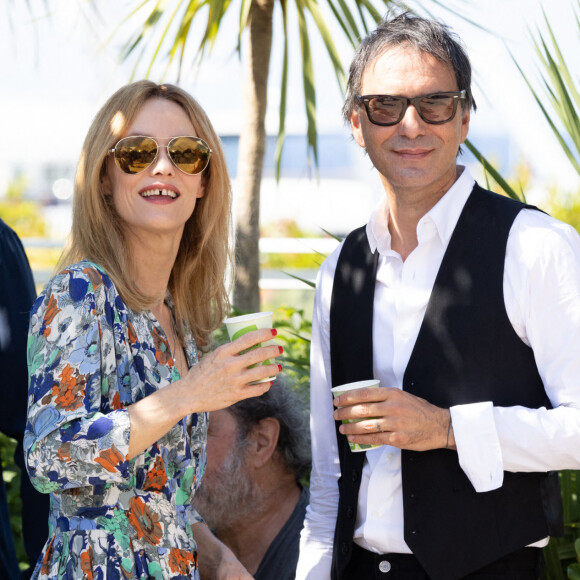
column 90, row 357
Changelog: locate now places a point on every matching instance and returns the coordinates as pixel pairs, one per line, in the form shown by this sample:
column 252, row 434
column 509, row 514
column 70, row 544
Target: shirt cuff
column 478, row 445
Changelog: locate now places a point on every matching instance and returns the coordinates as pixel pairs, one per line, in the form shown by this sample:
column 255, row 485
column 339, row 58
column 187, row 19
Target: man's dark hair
column 281, row 403
column 421, row 34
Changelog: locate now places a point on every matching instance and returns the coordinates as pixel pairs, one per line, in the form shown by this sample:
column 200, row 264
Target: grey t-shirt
column 281, row 558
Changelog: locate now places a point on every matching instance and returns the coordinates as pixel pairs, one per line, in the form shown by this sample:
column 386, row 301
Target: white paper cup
column 336, row 391
column 239, row 325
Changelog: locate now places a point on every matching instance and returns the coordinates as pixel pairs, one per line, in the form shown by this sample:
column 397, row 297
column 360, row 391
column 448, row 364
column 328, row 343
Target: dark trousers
column 524, row 564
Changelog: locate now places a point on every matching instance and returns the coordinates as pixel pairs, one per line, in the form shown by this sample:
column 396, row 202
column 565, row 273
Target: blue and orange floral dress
column 90, row 357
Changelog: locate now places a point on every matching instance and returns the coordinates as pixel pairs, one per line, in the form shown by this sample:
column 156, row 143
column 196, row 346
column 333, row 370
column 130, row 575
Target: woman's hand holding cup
column 238, row 326
column 234, row 371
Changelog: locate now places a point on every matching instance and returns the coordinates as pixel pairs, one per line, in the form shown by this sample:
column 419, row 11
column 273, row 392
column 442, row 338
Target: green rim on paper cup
column 336, row 391
column 239, row 325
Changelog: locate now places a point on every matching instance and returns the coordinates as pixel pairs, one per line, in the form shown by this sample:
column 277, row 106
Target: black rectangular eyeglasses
column 435, row 109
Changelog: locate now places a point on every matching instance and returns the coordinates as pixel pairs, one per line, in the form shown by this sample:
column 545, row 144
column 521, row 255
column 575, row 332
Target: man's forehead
column 222, row 420
column 404, row 62
column 404, row 55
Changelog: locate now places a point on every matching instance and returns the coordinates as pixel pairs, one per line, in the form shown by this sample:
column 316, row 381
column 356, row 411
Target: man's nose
column 412, row 125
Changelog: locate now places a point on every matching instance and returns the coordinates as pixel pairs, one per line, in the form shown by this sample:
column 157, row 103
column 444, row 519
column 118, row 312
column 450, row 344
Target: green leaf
column 346, row 21
column 574, row 572
column 244, row 15
column 308, row 81
column 562, row 94
column 307, row 282
column 283, row 96
column 493, row 172
column 338, row 238
column 326, row 36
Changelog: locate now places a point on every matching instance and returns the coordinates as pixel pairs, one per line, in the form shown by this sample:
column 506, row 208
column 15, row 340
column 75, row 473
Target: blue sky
column 56, row 71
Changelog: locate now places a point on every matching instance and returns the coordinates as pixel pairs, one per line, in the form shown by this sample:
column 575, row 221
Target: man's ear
column 355, row 125
column 465, row 118
column 264, row 439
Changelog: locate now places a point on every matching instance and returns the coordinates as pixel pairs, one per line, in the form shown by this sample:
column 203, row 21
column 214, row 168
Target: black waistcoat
column 466, row 351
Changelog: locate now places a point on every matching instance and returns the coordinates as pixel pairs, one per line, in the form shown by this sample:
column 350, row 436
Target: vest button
column 344, row 548
column 349, row 512
column 385, row 566
column 354, row 476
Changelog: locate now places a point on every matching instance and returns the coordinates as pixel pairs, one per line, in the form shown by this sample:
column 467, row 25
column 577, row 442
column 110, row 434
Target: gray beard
column 228, row 495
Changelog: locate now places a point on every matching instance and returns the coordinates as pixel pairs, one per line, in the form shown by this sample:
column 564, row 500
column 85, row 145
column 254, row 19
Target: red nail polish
column 280, row 368
column 280, row 349
column 274, row 332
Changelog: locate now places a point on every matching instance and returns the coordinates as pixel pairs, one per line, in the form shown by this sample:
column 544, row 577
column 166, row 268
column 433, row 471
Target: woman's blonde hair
column 197, row 281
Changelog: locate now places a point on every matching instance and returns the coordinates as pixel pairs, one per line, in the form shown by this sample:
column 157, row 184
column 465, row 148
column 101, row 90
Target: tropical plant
column 170, row 26
column 562, row 98
column 24, row 216
column 11, row 476
column 563, row 554
column 492, row 175
column 560, row 89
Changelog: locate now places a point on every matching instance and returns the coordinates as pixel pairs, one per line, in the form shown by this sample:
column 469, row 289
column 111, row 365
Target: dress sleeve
column 73, row 437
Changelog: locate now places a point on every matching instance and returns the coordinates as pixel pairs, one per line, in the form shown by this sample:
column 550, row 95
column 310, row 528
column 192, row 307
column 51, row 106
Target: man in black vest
column 466, row 306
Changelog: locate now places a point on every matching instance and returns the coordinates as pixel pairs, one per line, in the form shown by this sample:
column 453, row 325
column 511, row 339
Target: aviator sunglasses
column 435, row 109
column 136, row 153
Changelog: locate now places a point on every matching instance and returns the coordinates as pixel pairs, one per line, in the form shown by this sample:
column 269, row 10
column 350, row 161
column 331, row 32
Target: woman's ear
column 201, row 190
column 106, row 183
column 202, row 184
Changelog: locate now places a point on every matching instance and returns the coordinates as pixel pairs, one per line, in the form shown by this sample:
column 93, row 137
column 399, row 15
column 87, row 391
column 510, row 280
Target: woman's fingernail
column 280, row 350
column 279, row 368
column 274, row 332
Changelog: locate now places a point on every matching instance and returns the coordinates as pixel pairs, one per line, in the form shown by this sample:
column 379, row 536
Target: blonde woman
column 119, row 392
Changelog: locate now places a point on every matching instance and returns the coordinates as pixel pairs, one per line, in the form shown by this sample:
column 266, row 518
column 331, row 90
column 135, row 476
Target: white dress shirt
column 542, row 298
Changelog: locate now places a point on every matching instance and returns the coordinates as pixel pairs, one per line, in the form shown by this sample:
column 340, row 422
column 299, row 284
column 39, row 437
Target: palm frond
column 337, row 238
column 244, row 15
column 557, row 133
column 561, row 92
column 489, row 168
column 376, row 16
column 324, row 31
column 307, row 282
column 283, row 96
column 345, row 19
column 161, row 42
column 307, row 81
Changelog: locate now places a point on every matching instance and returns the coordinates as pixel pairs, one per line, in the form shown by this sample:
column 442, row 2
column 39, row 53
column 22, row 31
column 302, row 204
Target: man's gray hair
column 281, row 403
column 421, row 34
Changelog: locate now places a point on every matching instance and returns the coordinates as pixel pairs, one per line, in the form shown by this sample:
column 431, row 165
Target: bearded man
column 251, row 496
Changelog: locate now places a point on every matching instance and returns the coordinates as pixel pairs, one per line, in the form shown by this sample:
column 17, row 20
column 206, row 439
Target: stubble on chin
column 228, row 495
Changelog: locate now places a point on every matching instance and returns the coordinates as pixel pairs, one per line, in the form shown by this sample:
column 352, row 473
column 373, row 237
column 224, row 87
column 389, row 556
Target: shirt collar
column 444, row 215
